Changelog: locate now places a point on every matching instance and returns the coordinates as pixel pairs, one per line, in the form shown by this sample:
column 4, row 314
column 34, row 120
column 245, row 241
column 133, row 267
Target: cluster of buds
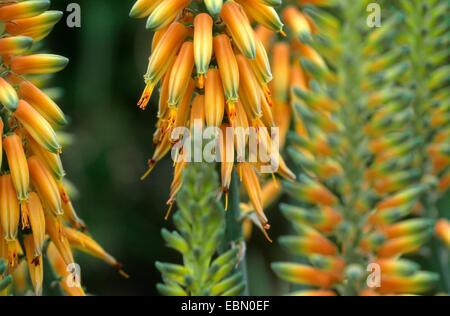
column 363, row 200
column 214, row 72
column 199, row 236
column 36, row 212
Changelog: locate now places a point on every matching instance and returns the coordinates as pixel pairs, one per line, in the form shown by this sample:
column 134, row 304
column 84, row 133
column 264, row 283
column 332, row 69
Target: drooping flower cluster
column 214, row 43
column 362, row 197
column 36, row 213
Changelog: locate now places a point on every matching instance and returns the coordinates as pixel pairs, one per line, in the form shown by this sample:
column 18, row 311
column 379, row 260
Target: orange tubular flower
column 41, row 103
column 229, row 70
column 297, row 22
column 203, row 39
column 18, row 165
column 37, row 127
column 51, row 161
column 162, row 58
column 261, row 64
column 35, row 265
column 45, row 186
column 86, row 244
column 180, row 74
column 263, row 14
column 8, row 96
column 9, row 216
column 239, row 28
column 23, row 10
column 165, row 13
column 38, row 64
column 214, row 99
column 36, row 27
column 143, row 8
column 227, row 158
column 443, row 231
column 53, row 227
column 251, row 182
column 249, row 90
column 37, row 222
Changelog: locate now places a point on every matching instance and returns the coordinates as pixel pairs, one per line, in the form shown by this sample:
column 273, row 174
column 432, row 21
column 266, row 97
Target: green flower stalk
column 200, row 224
column 426, row 33
column 359, row 195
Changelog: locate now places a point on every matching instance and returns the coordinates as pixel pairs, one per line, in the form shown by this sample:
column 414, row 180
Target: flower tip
column 201, row 81
column 151, row 165
column 283, row 33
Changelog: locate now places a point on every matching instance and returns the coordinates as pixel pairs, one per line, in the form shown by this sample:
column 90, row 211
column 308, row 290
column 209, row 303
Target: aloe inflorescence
column 39, row 226
column 200, row 224
column 363, row 186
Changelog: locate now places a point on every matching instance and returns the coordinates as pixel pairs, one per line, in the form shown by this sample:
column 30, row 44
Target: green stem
column 234, row 233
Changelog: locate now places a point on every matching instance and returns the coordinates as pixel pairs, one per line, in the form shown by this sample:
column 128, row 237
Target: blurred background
column 113, row 140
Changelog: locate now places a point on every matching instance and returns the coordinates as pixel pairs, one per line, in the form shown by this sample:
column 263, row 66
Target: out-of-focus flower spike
column 180, row 74
column 8, row 96
column 395, row 181
column 37, row 127
column 314, row 293
column 444, row 183
column 397, row 267
column 311, row 191
column 401, row 198
column 240, row 29
column 54, row 229
column 18, row 166
column 214, row 99
column 281, row 72
column 265, row 36
column 51, row 161
column 308, row 245
column 37, row 27
column 302, row 274
column 38, row 64
column 403, row 245
column 161, row 59
column 419, row 283
column 262, row 14
column 86, row 244
column 15, row 45
column 143, row 8
column 41, row 103
column 389, row 215
column 1, row 143
column 298, row 23
column 23, row 10
column 408, row 227
column 37, row 222
column 165, row 13
column 45, row 185
column 203, row 45
column 442, row 231
column 249, row 91
column 387, row 60
column 332, row 264
column 251, row 182
column 9, row 216
column 35, row 265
